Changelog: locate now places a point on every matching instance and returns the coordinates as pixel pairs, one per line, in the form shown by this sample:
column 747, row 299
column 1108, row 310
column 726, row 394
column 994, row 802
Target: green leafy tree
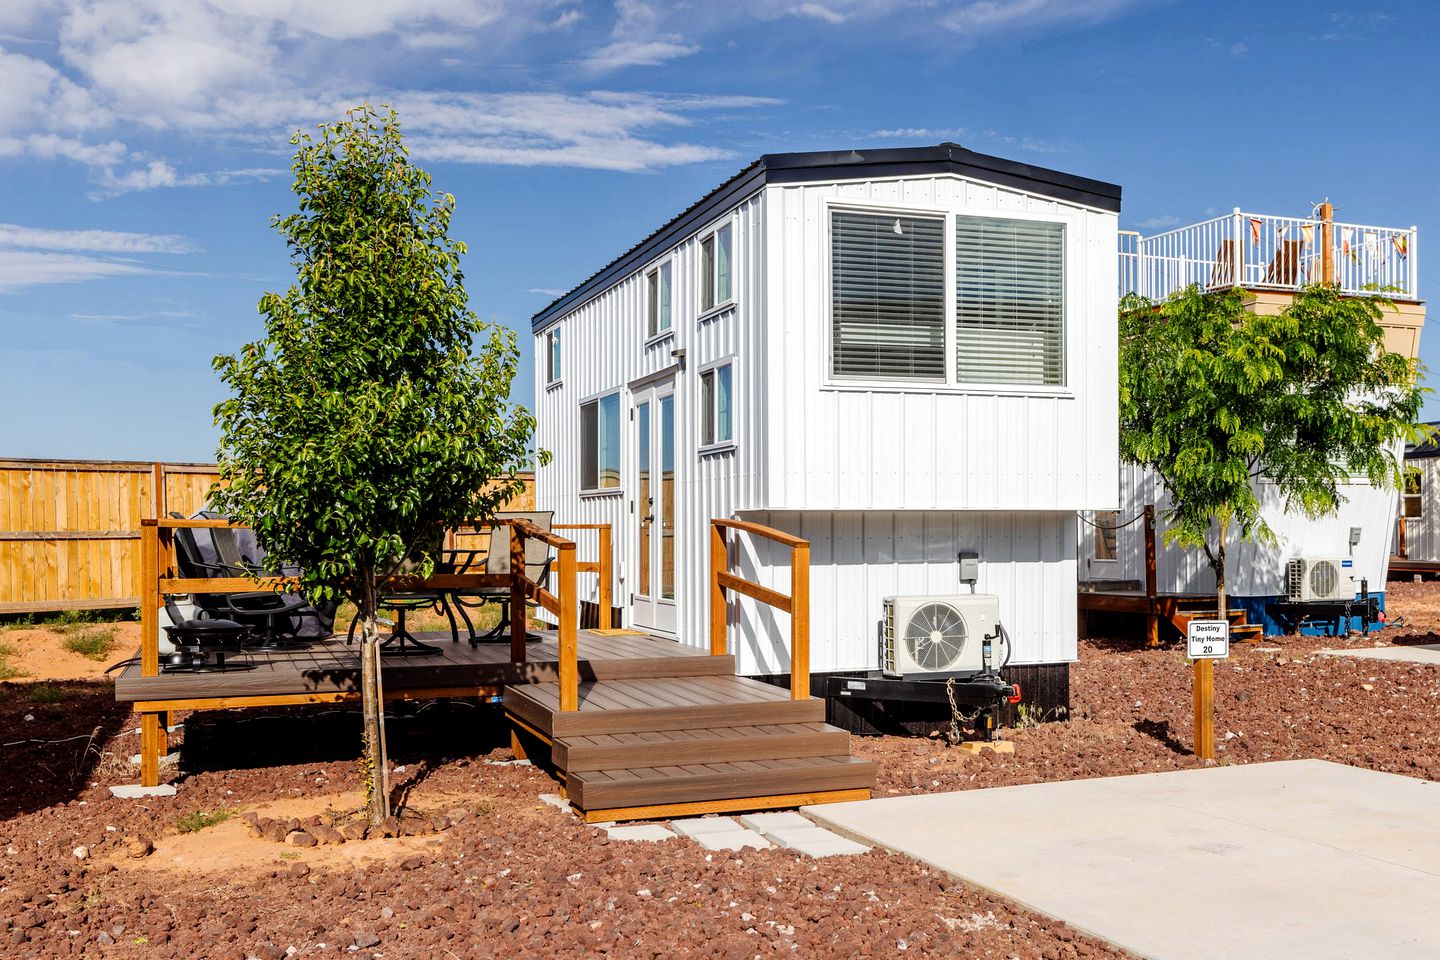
column 1215, row 398
column 375, row 413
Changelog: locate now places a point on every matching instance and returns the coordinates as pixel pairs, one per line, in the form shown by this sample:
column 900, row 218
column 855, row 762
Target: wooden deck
column 330, row 670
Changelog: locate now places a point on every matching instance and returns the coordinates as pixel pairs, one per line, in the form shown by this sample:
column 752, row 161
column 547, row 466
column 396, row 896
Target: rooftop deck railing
column 1268, row 252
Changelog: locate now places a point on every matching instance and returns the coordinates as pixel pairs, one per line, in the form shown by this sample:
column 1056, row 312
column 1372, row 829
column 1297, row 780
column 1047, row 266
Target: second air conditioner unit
column 937, row 635
column 1320, row 578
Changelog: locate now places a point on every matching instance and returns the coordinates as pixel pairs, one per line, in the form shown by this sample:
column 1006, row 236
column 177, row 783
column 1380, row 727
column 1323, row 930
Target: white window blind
column 888, row 296
column 1009, row 301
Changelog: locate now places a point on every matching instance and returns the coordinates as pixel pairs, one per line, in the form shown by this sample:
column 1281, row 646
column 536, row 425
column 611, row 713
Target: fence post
column 800, row 622
column 603, row 618
column 719, row 644
column 1327, row 243
column 158, row 498
column 518, row 626
column 569, row 624
column 1152, row 620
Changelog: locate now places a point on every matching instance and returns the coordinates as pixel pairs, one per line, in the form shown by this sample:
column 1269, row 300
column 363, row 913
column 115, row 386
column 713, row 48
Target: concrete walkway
column 1295, row 859
column 1420, row 653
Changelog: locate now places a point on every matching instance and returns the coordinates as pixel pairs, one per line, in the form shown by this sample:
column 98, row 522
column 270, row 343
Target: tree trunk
column 376, row 801
column 1220, row 598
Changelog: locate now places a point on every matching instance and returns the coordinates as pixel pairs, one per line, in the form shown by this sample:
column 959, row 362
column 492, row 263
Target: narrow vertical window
column 657, row 301
column 717, row 405
column 1106, row 533
column 707, row 273
column 1414, row 494
column 600, row 443
column 552, row 362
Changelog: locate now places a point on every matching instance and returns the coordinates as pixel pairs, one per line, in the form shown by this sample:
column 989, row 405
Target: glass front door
column 654, row 508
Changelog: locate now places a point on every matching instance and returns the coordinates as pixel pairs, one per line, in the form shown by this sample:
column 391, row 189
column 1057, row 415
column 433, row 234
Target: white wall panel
column 858, row 558
column 906, row 447
column 1422, row 533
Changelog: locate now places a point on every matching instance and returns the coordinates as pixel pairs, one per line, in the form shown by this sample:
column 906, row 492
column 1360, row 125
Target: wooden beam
column 17, row 535
column 569, row 614
column 149, row 600
column 306, row 699
column 740, row 585
column 800, row 622
column 719, row 617
column 1327, row 243
column 151, row 733
column 606, row 585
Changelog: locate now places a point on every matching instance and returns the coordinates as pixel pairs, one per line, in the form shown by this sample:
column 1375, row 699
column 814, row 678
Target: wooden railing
column 157, row 559
column 796, row 602
column 600, row 567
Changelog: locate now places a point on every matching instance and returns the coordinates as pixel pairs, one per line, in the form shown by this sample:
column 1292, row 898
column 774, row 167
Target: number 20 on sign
column 1208, row 641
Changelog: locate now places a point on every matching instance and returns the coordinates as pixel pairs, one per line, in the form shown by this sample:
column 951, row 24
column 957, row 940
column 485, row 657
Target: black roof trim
column 783, row 168
column 1426, row 448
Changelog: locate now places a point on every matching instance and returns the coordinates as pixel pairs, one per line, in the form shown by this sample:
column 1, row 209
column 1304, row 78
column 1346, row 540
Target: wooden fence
column 70, row 529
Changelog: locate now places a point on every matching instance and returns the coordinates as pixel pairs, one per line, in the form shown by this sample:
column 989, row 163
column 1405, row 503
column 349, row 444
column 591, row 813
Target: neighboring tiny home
column 900, row 355
column 1272, row 258
column 1417, row 534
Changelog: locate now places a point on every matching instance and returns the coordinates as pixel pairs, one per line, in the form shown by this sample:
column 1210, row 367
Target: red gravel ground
column 514, row 878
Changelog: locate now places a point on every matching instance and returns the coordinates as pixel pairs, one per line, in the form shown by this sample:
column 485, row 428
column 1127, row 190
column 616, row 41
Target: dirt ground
column 516, row 878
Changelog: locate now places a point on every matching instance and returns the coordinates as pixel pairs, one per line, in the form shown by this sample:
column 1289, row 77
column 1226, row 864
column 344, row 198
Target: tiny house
column 1417, row 536
column 903, row 356
column 1271, row 257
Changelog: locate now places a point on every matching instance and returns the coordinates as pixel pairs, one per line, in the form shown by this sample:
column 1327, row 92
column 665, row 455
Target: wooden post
column 800, row 622
column 1204, row 729
column 158, row 499
column 719, row 643
column 1327, row 243
column 1401, row 547
column 150, row 729
column 149, row 587
column 569, row 630
column 603, row 598
column 518, row 627
column 1152, row 619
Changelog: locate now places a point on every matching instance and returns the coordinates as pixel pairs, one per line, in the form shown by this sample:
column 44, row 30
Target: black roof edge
column 786, row 168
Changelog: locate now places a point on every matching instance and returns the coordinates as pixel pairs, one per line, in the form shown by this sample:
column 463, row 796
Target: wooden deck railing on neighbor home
column 796, row 602
column 157, row 561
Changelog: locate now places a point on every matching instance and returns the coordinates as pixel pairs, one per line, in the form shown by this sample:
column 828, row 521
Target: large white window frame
column 708, row 273
column 1072, row 254
column 604, row 404
column 707, row 408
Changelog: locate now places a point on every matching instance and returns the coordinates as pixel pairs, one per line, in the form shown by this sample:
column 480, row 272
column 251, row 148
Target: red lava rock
column 355, row 831
column 139, row 848
column 300, row 838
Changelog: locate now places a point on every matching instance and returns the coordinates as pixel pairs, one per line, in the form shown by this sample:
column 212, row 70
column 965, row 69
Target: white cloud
column 637, row 40
column 94, row 241
column 548, row 291
column 981, row 17
column 1239, row 49
column 26, row 268
column 820, row 12
column 932, row 134
column 1158, row 223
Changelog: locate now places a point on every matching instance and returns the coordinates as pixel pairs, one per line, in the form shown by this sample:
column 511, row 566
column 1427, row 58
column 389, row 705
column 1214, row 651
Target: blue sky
column 144, row 145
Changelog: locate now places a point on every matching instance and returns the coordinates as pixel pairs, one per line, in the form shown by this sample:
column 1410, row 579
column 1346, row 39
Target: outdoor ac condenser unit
column 1320, row 578
column 936, row 634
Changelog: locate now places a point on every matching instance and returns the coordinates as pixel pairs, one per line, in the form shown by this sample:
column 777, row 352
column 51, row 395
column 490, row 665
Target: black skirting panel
column 1044, row 696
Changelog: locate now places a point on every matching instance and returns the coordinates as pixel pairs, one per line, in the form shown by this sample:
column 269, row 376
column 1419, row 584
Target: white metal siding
column 858, row 558
column 907, row 447
column 605, row 350
column 1252, row 569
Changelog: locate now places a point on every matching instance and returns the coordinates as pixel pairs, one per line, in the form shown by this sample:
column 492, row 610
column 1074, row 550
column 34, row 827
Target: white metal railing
column 1267, row 252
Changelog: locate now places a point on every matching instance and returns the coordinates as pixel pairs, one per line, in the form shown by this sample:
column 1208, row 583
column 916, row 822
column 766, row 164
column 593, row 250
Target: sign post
column 1207, row 641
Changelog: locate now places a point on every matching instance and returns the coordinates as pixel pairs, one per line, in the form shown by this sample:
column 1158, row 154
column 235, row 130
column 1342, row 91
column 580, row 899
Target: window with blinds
column 1009, row 301
column 887, row 297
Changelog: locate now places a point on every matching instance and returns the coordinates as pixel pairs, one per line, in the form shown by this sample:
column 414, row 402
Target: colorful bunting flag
column 1307, row 234
column 1347, row 234
column 1255, row 223
column 1402, row 243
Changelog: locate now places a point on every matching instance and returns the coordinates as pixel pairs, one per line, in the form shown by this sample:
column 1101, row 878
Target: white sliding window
column 887, row 288
column 1009, row 301
column 600, row 443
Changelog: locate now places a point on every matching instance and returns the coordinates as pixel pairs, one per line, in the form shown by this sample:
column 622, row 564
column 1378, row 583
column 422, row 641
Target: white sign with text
column 1208, row 639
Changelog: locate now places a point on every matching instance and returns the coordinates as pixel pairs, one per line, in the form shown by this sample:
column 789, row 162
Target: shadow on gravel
column 1415, row 639
column 1160, row 730
column 427, row 734
column 54, row 735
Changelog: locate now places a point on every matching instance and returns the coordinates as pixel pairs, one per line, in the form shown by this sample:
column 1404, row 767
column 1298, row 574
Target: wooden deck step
column 705, row 745
column 673, row 703
column 598, row 791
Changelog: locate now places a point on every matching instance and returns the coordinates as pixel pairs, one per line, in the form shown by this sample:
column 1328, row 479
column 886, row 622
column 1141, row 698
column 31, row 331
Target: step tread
column 703, row 745
column 637, row 786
